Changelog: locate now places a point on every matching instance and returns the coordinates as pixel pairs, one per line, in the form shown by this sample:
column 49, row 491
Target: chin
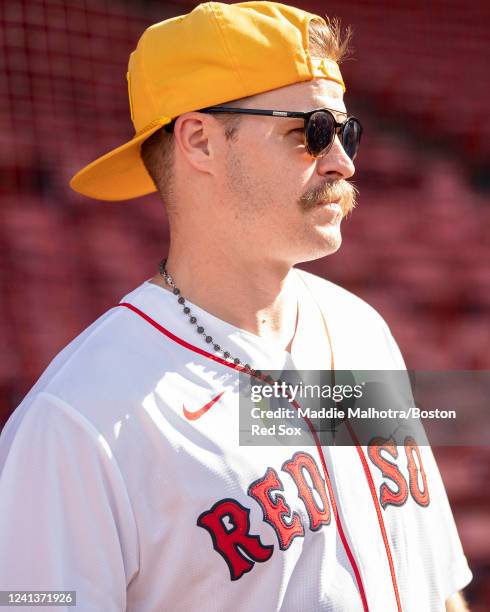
column 329, row 240
column 323, row 246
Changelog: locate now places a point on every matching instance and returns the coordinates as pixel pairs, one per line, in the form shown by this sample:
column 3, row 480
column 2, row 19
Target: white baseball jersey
column 121, row 476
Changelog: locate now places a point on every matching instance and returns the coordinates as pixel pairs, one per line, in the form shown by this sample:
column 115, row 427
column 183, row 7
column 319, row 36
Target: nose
column 336, row 163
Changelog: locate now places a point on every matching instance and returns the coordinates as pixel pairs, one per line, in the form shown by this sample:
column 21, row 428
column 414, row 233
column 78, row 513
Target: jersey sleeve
column 396, row 358
column 453, row 568
column 455, row 573
column 66, row 521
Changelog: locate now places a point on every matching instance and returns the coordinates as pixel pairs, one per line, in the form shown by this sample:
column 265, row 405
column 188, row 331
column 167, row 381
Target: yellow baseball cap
column 214, row 54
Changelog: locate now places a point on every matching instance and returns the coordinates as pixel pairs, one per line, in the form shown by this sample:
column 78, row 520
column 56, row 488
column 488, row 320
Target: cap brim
column 119, row 174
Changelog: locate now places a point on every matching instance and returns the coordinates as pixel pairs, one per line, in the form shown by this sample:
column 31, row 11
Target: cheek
column 281, row 167
column 268, row 177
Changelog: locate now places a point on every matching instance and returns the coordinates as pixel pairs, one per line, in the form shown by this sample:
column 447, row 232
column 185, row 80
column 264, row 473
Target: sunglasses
column 320, row 127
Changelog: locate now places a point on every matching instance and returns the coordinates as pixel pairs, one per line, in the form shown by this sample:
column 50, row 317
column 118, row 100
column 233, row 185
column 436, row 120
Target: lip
column 333, row 210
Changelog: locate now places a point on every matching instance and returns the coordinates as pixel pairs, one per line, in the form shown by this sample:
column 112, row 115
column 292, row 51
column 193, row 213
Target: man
column 122, row 474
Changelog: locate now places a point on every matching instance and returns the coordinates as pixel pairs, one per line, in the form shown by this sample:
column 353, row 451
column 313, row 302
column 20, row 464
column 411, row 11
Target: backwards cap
column 214, row 54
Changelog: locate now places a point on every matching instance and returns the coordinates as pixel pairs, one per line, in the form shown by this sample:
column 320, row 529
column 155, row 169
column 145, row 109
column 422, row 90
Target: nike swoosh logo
column 192, row 416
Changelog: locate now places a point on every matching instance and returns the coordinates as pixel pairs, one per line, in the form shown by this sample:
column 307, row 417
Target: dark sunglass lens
column 319, row 132
column 351, row 137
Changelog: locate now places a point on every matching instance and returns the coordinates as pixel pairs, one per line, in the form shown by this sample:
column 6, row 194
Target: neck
column 251, row 295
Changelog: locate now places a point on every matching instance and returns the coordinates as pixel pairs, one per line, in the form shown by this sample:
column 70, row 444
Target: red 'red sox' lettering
column 420, row 496
column 296, row 467
column 275, row 510
column 391, row 470
column 230, row 542
column 241, row 550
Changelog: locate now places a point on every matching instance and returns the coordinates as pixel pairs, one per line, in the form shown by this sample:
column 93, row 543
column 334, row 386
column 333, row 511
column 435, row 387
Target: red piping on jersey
column 335, row 512
column 365, row 467
column 374, row 495
column 338, row 522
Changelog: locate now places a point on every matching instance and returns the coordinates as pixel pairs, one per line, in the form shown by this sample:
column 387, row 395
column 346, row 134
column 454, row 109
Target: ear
column 197, row 138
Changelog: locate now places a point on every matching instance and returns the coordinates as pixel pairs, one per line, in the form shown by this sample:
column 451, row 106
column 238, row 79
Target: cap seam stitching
column 143, row 54
column 306, row 45
column 218, row 18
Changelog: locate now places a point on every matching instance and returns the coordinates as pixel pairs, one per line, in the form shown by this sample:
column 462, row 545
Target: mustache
column 334, row 191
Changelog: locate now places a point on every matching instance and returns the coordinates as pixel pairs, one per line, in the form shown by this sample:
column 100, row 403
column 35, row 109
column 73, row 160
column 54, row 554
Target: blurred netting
column 416, row 248
column 63, row 103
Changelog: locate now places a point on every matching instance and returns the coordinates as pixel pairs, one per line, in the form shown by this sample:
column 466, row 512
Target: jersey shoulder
column 333, row 297
column 361, row 338
column 107, row 368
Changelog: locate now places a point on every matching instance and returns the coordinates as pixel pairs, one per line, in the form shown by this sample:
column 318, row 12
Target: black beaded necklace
column 247, row 368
